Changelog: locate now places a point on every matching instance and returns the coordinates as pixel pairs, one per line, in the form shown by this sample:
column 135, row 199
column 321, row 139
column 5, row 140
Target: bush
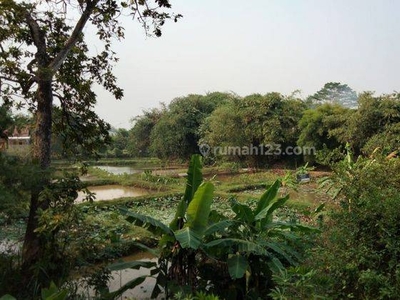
column 360, row 249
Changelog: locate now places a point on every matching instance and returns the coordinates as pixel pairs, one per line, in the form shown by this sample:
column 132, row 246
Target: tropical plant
column 256, row 244
column 182, row 237
column 202, row 249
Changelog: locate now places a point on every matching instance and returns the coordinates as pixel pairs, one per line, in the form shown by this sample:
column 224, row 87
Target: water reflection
column 120, row 278
column 144, row 290
column 110, row 192
column 118, row 170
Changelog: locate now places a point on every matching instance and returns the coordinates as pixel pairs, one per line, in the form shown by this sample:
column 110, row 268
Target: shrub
column 360, row 249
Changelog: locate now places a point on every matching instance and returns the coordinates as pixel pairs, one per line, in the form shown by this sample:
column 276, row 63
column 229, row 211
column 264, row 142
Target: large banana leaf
column 268, row 196
column 188, row 238
column 179, row 215
column 239, row 244
column 53, row 293
column 237, row 266
column 199, row 208
column 278, row 249
column 218, row 227
column 272, row 206
column 149, row 223
column 275, row 265
column 243, row 212
column 197, row 217
column 194, row 177
column 193, row 181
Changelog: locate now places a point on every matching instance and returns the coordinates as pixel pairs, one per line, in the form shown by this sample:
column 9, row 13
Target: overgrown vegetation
column 200, row 247
column 232, row 237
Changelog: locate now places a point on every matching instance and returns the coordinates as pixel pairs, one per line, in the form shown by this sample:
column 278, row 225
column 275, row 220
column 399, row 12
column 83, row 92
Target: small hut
column 19, row 141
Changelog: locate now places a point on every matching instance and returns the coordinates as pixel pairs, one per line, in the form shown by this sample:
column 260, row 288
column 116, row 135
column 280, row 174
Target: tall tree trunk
column 33, row 245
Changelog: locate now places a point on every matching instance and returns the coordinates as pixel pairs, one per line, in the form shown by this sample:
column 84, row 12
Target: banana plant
column 256, row 244
column 249, row 246
column 183, row 236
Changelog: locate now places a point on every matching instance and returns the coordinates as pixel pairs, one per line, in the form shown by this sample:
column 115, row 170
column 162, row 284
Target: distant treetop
column 336, row 92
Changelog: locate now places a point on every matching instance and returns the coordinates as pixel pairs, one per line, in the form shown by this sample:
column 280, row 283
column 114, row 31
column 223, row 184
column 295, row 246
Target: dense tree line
column 222, row 120
column 273, row 121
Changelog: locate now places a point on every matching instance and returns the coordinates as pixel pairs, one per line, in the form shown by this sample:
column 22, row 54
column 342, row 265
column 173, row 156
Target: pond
column 119, row 278
column 119, row 170
column 110, row 192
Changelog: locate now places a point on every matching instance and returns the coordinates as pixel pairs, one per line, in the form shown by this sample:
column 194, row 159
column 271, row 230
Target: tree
column 43, row 55
column 324, row 127
column 5, row 120
column 120, row 141
column 377, row 118
column 139, row 135
column 176, row 134
column 223, row 128
column 336, row 92
column 257, row 122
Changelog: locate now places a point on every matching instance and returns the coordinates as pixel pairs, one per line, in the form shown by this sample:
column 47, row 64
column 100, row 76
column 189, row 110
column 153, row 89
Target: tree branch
column 38, row 39
column 9, row 79
column 70, row 43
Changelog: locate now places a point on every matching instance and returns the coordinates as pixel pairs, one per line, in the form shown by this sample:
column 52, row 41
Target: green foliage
column 176, row 135
column 51, row 293
column 358, row 253
column 296, row 283
column 254, row 120
column 184, row 235
column 255, row 244
column 322, row 128
column 44, row 55
column 57, row 226
column 16, row 178
column 10, row 276
column 139, row 135
column 196, row 296
column 375, row 118
column 6, row 119
column 7, row 297
column 246, row 249
column 305, row 169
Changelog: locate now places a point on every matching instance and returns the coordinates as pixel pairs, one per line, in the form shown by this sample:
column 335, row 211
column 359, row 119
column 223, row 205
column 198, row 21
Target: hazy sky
column 257, row 46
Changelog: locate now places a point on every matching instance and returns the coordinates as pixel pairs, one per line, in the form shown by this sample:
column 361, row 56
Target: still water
column 118, row 170
column 110, row 192
column 120, row 278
